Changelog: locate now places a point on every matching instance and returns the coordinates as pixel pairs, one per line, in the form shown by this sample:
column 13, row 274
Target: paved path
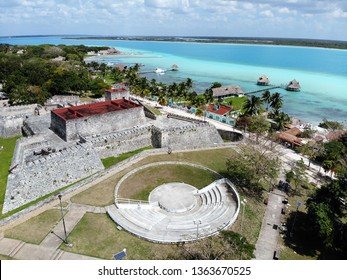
column 48, row 249
column 269, row 233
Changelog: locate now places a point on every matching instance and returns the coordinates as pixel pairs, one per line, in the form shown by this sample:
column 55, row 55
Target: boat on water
column 160, row 71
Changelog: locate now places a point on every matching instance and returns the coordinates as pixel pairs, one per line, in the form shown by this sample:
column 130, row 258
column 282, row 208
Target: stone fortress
column 65, row 145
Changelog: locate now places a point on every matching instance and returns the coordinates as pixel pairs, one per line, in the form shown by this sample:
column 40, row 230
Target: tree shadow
column 299, row 235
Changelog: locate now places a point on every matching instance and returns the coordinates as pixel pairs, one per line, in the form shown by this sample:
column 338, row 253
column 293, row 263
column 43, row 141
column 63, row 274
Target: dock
column 263, row 89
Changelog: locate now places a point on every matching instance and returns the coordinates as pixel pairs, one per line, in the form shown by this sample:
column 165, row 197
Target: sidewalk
column 48, row 249
column 268, row 238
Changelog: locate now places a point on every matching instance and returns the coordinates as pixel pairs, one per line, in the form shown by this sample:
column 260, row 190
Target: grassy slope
column 5, row 162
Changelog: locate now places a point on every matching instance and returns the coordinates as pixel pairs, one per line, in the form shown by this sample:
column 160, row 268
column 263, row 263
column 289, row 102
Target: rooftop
column 93, row 109
column 218, row 109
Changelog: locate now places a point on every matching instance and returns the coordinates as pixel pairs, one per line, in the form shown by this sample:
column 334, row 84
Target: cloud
column 180, row 17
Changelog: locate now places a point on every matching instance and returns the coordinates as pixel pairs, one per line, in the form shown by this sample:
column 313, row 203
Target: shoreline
column 310, row 43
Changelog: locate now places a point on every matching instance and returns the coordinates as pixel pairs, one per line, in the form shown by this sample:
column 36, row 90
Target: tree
column 281, row 120
column 326, row 209
column 252, row 106
column 266, row 97
column 276, row 102
column 259, row 125
column 297, row 174
column 227, row 245
column 216, row 85
column 310, row 150
column 254, row 167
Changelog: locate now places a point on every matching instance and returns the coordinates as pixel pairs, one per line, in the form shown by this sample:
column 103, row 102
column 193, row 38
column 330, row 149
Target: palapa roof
column 228, row 91
column 289, row 138
column 263, row 79
column 293, row 131
column 294, row 84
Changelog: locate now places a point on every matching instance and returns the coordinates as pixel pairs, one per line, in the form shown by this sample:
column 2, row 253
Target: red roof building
column 73, row 122
column 221, row 110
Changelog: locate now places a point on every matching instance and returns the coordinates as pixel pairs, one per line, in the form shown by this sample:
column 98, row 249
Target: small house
column 227, row 91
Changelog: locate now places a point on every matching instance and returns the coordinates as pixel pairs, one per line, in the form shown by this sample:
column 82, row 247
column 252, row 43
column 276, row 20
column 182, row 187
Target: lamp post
column 197, row 223
column 243, row 202
column 62, row 215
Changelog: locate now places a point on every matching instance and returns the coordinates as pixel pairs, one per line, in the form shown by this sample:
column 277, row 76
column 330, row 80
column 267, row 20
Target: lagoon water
column 322, row 73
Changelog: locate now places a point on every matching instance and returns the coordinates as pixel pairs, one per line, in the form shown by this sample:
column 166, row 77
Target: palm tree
column 276, row 102
column 281, row 120
column 252, row 106
column 266, row 97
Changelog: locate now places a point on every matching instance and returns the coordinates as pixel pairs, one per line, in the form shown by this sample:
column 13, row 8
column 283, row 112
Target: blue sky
column 318, row 19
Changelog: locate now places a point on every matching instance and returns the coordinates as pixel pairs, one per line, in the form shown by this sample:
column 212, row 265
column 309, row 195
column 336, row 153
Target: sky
column 315, row 19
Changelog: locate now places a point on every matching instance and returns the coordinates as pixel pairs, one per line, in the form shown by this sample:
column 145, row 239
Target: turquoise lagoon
column 322, row 73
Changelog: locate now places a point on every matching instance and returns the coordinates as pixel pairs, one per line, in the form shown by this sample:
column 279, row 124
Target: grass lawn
column 6, row 158
column 108, row 162
column 102, row 194
column 96, row 235
column 36, row 229
column 140, row 184
column 237, row 102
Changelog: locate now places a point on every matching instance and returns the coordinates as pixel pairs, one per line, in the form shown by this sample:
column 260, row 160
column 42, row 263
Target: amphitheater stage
column 177, row 212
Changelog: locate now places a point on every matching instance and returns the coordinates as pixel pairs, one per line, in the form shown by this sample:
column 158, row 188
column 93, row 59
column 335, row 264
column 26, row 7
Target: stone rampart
column 11, row 119
column 122, row 141
column 190, row 136
column 22, row 110
column 42, row 174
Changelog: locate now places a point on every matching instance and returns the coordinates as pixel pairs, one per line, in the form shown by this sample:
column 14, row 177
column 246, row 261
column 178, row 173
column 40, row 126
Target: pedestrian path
column 48, row 249
column 267, row 242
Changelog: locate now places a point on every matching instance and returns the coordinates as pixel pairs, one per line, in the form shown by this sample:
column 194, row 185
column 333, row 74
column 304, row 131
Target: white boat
column 159, row 70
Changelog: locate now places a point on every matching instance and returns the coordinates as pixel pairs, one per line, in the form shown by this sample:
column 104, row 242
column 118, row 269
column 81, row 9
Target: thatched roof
column 289, row 138
column 263, row 80
column 231, row 90
column 293, row 131
column 293, row 85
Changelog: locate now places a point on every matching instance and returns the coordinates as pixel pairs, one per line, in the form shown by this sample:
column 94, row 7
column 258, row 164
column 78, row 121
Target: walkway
column 48, row 249
column 268, row 238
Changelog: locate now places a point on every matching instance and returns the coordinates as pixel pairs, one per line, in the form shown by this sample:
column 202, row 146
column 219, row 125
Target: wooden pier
column 263, row 89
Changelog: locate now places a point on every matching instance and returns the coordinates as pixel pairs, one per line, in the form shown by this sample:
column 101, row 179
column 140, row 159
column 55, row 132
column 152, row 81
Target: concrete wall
column 98, row 124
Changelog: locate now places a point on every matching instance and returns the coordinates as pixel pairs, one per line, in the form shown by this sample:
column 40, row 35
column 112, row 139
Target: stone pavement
column 269, row 233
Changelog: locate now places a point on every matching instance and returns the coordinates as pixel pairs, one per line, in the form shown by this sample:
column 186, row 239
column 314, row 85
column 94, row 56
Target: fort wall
column 190, row 136
column 39, row 175
column 122, row 141
column 97, row 124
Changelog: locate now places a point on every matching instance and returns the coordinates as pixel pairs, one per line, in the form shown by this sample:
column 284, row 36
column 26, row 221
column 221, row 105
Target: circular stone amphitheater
column 177, row 212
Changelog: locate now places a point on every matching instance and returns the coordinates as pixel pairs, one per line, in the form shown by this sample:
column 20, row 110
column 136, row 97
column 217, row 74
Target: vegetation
column 37, row 228
column 108, row 162
column 253, row 168
column 6, row 153
column 34, row 76
column 332, row 125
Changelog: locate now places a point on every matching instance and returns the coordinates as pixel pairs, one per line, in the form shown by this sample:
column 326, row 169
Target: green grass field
column 6, row 154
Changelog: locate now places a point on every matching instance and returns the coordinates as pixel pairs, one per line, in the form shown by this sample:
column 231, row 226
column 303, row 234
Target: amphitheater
column 177, row 212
